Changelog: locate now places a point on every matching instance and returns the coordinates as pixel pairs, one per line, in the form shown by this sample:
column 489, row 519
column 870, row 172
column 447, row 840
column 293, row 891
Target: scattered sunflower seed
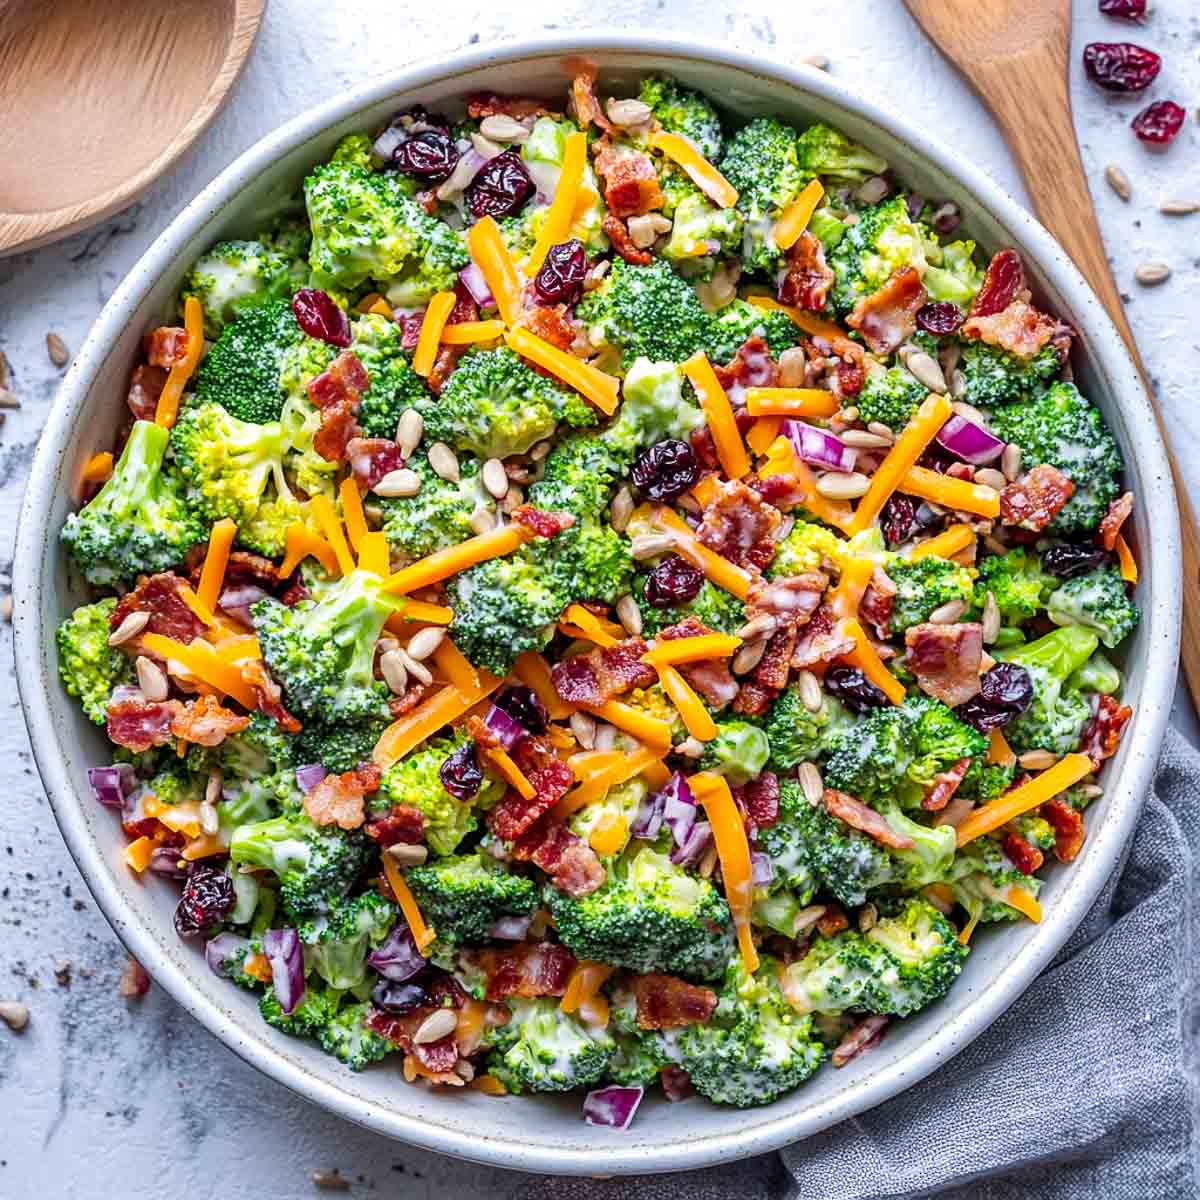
column 606, row 736
column 425, row 641
column 482, row 521
column 835, row 486
column 868, row 915
column 215, row 786
column 708, row 864
column 811, row 783
column 151, row 680
column 651, row 545
column 629, row 615
column 992, row 478
column 806, row 918
column 416, row 669
column 330, row 1181
column 761, row 626
column 56, row 348
column 502, row 128
column 948, row 613
column 690, row 747
column 628, row 114
column 14, row 1014
column 583, row 726
column 866, row 440
column 991, row 619
column 791, row 367
column 208, row 818
column 395, row 673
column 444, row 461
column 1118, row 181
column 401, row 482
column 1152, row 274
column 1010, row 461
column 1178, row 208
column 810, row 690
column 872, row 190
column 409, row 429
column 405, row 854
column 495, row 479
column 749, row 656
column 1037, row 760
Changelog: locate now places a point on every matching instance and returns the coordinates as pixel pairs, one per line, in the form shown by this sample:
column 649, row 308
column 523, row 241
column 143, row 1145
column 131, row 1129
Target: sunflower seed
column 513, row 499
column 992, row 478
column 606, row 736
column 924, row 369
column 621, row 510
column 436, row 1026
column 129, row 628
column 958, row 384
column 330, row 1181
column 806, row 918
column 425, row 641
column 151, row 680
column 810, row 690
column 651, row 545
column 538, row 452
column 948, row 613
column 1151, row 274
column 444, row 461
column 208, row 818
column 14, row 1014
column 395, row 673
column 868, row 915
column 1090, row 791
column 416, row 669
column 401, row 482
column 406, row 854
column 811, row 783
column 629, row 615
column 991, row 619
column 1179, row 208
column 500, row 127
column 485, row 147
column 494, row 478
column 791, row 367
column 963, row 409
column 465, row 1069
column 1118, row 181
column 628, row 114
column 482, row 521
column 644, row 230
column 56, row 348
column 215, row 786
column 690, row 747
column 409, row 429
column 866, row 440
column 761, row 626
column 595, row 275
column 583, row 726
column 748, row 657
column 836, row 486
column 1037, row 760
column 1010, row 461
column 8, row 399
column 872, row 190
column 708, row 864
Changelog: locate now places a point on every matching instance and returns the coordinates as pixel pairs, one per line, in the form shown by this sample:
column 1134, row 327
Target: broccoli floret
column 653, row 408
column 414, row 782
column 884, row 239
column 89, row 666
column 755, row 1048
column 350, row 1040
column 463, row 896
column 680, row 110
column 1098, row 600
column 323, row 651
column 258, row 770
column 1096, row 675
column 543, row 1049
column 394, row 385
column 889, row 396
column 797, row 735
column 580, row 474
column 336, row 943
column 712, row 606
column 825, row 151
column 1018, row 583
column 1057, row 716
column 985, row 781
column 237, row 275
column 316, row 1009
column 763, row 162
column 951, row 274
column 353, row 148
column 805, row 548
column 315, row 866
column 620, row 803
column 739, row 751
column 731, row 326
column 1064, row 430
column 1037, row 831
column 827, row 227
column 902, row 964
column 138, row 523
column 925, row 585
column 588, row 561
column 649, row 915
column 340, row 747
column 439, row 515
column 939, row 740
column 994, row 376
column 701, row 231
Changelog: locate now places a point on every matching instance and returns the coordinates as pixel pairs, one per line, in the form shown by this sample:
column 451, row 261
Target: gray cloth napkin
column 1087, row 1087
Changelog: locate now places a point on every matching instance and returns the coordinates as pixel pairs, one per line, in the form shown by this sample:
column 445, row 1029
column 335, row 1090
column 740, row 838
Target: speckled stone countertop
column 105, row 1097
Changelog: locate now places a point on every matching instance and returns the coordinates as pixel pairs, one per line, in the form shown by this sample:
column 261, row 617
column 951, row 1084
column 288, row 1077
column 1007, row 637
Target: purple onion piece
column 679, row 808
column 693, row 849
column 165, row 860
column 398, row 958
column 307, row 777
column 283, row 952
column 386, row 143
column 508, row 731
column 649, row 817
column 110, row 785
column 236, row 601
column 220, row 949
column 819, row 447
column 473, row 280
column 969, row 441
column 613, row 1107
column 762, row 869
column 511, row 929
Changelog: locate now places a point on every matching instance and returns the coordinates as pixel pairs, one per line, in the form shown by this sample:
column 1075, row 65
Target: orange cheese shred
column 587, row 762
column 201, row 659
column 969, row 928
column 610, row 835
column 454, row 666
column 511, row 772
column 352, row 511
column 138, row 852
column 1125, row 559
column 863, row 657
column 422, row 933
column 491, row 256
column 98, row 468
column 300, row 542
column 430, row 336
column 719, row 570
column 790, row 402
column 557, row 225
column 718, row 413
column 1069, row 769
column 813, row 325
column 762, row 433
column 594, row 628
column 583, row 993
column 204, row 845
column 489, row 1085
column 443, row 563
column 534, row 672
column 654, row 733
column 696, row 718
column 212, row 574
column 782, row 459
column 692, row 649
column 258, row 966
column 846, row 597
column 946, row 544
column 601, row 389
column 1025, row 903
column 706, row 490
column 701, row 172
column 599, row 779
column 960, row 494
column 206, row 614
column 335, row 535
column 917, row 434
column 999, row 751
column 467, row 333
column 167, row 409
column 431, row 715
column 794, row 219
column 373, row 553
column 381, row 308
column 418, row 611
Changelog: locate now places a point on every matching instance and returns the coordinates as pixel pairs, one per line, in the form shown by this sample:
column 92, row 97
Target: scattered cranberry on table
column 1120, row 66
column 1159, row 123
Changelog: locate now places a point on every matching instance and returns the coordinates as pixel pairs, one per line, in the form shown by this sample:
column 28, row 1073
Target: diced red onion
column 819, row 447
column 762, row 869
column 676, row 1084
column 164, row 860
column 679, row 808
column 220, row 949
column 398, row 958
column 110, row 785
column 283, row 952
column 236, row 601
column 473, row 280
column 309, row 776
column 649, row 817
column 506, row 728
column 511, row 929
column 613, row 1107
column 969, row 441
column 693, row 849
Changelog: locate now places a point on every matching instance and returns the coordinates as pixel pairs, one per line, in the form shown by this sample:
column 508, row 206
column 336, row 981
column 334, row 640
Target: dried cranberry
column 392, row 997
column 854, row 689
column 430, row 156
column 1131, row 10
column 460, row 773
column 560, row 281
column 1003, row 279
column 899, row 518
column 207, row 899
column 1159, row 123
column 1120, row 66
column 1070, row 559
column 666, row 470
column 500, row 187
column 674, row 581
column 1005, row 692
column 522, row 704
column 319, row 316
column 940, row 319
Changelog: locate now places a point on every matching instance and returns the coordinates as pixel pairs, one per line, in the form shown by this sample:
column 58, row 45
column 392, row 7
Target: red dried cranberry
column 398, row 998
column 1003, row 279
column 1131, row 10
column 666, row 470
column 319, row 316
column 560, row 281
column 1120, row 66
column 1005, row 692
column 854, row 689
column 207, row 899
column 674, row 581
column 522, row 704
column 1070, row 559
column 899, row 518
column 460, row 773
column 500, row 187
column 940, row 319
column 1159, row 123
column 430, row 156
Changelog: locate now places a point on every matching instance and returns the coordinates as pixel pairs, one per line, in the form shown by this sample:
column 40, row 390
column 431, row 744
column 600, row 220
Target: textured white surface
column 102, row 1096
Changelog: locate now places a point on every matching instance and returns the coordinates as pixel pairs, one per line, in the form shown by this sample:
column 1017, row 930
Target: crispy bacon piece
column 569, row 861
column 888, row 316
column 551, row 324
column 489, row 104
column 857, row 815
column 373, row 458
column 578, row 872
column 832, row 920
column 1026, row 858
column 134, row 982
column 807, row 278
column 1034, row 500
column 166, row 346
column 587, row 107
column 602, row 673
column 664, row 1002
column 269, row 693
column 1117, row 515
column 1102, row 734
column 946, row 659
column 338, row 429
column 770, row 676
column 711, row 677
column 345, row 378
column 617, row 233
column 443, row 367
column 820, row 641
column 413, row 695
column 530, row 969
column 170, row 614
column 1003, row 282
column 410, row 329
column 401, row 823
column 791, row 601
column 676, row 1084
column 338, row 799
column 863, row 1036
column 1020, row 329
column 550, row 778
column 241, row 567
column 740, row 526
column 144, row 390
column 438, row 1058
column 878, row 601
column 139, row 724
column 543, row 523
column 760, row 799
column 945, row 784
column 1067, row 823
column 630, row 181
column 849, row 379
column 751, row 366
column 204, row 721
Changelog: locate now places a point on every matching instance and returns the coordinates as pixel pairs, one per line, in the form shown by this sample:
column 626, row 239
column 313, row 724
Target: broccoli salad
column 598, row 592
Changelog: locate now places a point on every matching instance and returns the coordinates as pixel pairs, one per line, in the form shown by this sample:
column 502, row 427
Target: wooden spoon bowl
column 97, row 104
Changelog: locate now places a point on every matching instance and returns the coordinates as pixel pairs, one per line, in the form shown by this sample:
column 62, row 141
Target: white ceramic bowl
column 548, row 1134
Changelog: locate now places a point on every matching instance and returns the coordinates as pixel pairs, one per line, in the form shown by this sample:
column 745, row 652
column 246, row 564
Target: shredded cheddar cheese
column 300, row 542
column 1069, row 769
column 491, row 256
column 959, row 494
column 718, row 413
column 946, row 544
column 422, row 933
column 790, row 402
column 441, row 564
column 352, row 511
column 592, row 384
column 696, row 717
column 692, row 649
column 863, row 657
column 467, row 333
column 169, row 398
column 557, row 225
column 430, row 336
column 701, row 172
column 331, row 527
column 794, row 219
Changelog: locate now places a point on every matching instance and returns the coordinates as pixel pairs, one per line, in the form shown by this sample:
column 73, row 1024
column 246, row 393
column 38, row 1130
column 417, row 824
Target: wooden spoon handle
column 1035, row 82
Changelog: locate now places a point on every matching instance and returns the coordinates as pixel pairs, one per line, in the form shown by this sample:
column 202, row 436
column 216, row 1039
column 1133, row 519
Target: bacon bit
column 760, row 799
column 431, row 1060
column 849, row 379
column 1067, row 824
column 712, row 678
column 338, row 799
column 579, row 872
column 443, row 367
column 858, row 816
column 205, row 722
column 1003, row 282
column 439, row 1058
column 1020, row 329
column 771, row 674
column 144, row 390
column 664, row 1002
column 166, row 346
column 161, row 596
column 551, row 779
column 269, row 694
column 821, row 641
column 603, row 673
column 552, row 325
column 587, row 107
column 889, row 315
column 863, row 1036
column 569, row 861
column 490, row 104
column 946, row 660
column 630, row 182
column 807, row 277
column 530, row 969
column 373, row 458
column 345, row 378
column 1034, row 500
column 751, row 366
column 791, row 601
column 138, row 725
column 705, row 448
column 401, row 823
column 833, row 920
column 740, row 526
column 410, row 329
column 1110, row 527
column 338, row 429
column 945, row 784
column 1102, row 734
column 1026, row 858
column 241, row 567
column 676, row 1084
column 134, row 982
column 618, row 234
column 540, row 522
column 878, row 601
column 413, row 695
column 752, row 699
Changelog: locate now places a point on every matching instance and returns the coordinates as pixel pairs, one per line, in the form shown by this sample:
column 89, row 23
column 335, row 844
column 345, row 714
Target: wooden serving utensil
column 100, row 99
column 1014, row 54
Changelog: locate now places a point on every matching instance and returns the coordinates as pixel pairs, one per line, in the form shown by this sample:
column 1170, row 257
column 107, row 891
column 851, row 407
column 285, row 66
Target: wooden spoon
column 100, row 99
column 1014, row 54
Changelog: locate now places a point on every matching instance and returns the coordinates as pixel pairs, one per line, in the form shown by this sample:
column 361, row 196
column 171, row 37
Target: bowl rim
column 1161, row 573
